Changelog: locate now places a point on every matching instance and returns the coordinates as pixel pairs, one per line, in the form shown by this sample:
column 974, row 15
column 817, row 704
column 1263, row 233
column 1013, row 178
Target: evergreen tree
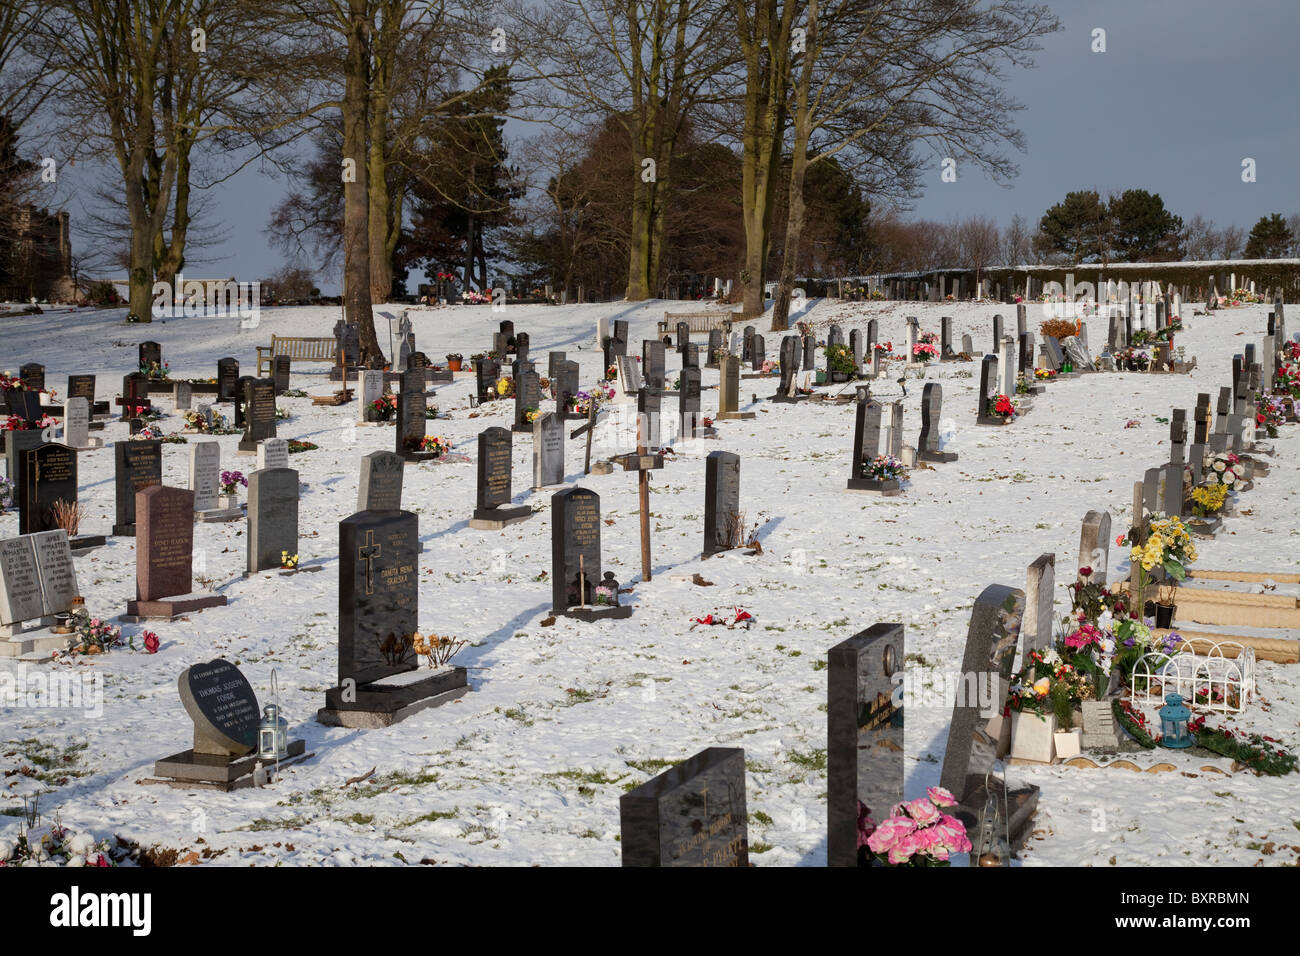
column 1269, row 239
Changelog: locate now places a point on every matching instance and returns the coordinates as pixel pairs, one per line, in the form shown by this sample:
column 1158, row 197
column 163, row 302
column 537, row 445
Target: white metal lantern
column 273, row 732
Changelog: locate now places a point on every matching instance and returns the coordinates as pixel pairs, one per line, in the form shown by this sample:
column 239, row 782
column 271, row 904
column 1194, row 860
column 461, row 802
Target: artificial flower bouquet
column 383, row 408
column 916, row 833
column 430, row 444
column 232, row 481
column 923, row 352
column 1003, row 406
column 1226, row 469
column 1208, row 499
column 886, row 468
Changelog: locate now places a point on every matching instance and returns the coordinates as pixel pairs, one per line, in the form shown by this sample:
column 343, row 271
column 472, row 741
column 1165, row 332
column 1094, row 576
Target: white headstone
column 76, row 423
column 57, row 573
column 20, row 582
column 372, row 387
column 205, row 474
column 272, row 453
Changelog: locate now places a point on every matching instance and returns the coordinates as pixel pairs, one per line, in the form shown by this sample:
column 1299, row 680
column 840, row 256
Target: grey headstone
column 1036, row 634
column 985, row 673
column 57, row 573
column 1094, row 544
column 272, row 517
column 205, row 474
column 380, row 487
column 272, row 453
column 721, row 502
column 548, row 450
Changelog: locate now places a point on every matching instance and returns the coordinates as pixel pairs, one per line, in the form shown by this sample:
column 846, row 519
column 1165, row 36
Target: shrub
column 840, row 359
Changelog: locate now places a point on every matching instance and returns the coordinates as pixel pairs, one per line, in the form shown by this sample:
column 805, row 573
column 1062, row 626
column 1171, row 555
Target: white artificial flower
column 1218, row 465
column 81, row 844
column 1229, row 477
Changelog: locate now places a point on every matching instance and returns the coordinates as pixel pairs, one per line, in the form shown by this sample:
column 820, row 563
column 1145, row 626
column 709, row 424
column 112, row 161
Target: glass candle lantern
column 1173, row 723
column 992, row 845
column 273, row 734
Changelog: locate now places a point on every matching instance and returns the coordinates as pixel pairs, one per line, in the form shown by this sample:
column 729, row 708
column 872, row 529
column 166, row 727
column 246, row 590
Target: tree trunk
column 639, row 239
column 356, row 197
column 381, row 263
column 798, row 170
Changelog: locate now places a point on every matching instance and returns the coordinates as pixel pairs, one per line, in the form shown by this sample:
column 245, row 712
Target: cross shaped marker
column 367, row 553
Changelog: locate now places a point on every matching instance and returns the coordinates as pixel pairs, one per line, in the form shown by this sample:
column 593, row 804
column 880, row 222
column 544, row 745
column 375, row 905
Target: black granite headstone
column 691, row 815
column 721, row 502
column 48, row 474
column 575, row 548
column 137, row 465
column 227, row 377
column 864, row 736
column 379, row 595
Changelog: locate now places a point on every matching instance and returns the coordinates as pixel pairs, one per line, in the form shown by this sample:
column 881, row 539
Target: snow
column 561, row 720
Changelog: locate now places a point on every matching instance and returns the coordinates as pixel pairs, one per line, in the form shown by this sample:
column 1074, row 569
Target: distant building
column 36, row 256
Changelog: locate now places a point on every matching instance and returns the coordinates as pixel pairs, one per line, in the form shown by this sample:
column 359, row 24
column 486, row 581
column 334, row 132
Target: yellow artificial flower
column 1042, row 685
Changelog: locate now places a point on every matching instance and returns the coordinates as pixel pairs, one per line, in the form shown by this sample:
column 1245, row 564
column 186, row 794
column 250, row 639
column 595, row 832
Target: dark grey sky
column 1185, row 90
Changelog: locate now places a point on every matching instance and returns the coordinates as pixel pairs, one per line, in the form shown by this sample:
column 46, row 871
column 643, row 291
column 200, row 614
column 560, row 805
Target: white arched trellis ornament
column 1218, row 676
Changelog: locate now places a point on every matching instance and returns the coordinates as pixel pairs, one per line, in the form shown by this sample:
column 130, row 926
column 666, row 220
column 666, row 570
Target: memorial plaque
column 721, row 502
column 575, row 548
column 49, row 475
column 379, row 597
column 164, row 552
column 20, row 582
column 57, row 573
column 205, row 474
column 864, row 736
column 221, row 702
column 691, row 815
column 137, row 465
column 381, row 482
column 272, row 517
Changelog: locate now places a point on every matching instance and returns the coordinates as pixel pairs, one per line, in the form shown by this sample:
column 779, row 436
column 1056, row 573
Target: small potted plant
column 923, row 352
column 382, row 409
column 454, row 360
column 230, row 485
column 840, row 361
column 288, row 562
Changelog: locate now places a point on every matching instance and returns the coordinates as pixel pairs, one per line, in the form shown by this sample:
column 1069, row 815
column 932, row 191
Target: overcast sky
column 1185, row 90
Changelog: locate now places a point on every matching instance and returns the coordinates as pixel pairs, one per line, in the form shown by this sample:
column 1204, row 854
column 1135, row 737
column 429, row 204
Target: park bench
column 298, row 349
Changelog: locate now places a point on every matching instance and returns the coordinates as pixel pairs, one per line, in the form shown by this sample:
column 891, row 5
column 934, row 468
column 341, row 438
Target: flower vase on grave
column 1165, row 615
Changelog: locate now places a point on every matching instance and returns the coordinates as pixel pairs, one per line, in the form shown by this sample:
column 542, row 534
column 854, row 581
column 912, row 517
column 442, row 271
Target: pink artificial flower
column 954, row 834
column 889, row 833
column 151, row 642
column 903, row 850
column 923, row 811
column 941, row 797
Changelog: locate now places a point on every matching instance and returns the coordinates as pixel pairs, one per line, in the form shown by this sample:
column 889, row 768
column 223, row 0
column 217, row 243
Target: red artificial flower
column 150, row 642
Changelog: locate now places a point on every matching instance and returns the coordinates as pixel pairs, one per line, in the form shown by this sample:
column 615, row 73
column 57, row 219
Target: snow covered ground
column 562, row 720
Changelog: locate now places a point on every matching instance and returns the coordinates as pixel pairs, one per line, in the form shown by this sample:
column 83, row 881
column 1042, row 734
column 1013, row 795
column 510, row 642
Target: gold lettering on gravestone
column 586, row 523
column 498, row 470
column 56, row 467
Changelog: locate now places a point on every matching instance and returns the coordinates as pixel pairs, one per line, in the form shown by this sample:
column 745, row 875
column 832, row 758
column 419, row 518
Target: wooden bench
column 298, row 349
column 696, row 321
